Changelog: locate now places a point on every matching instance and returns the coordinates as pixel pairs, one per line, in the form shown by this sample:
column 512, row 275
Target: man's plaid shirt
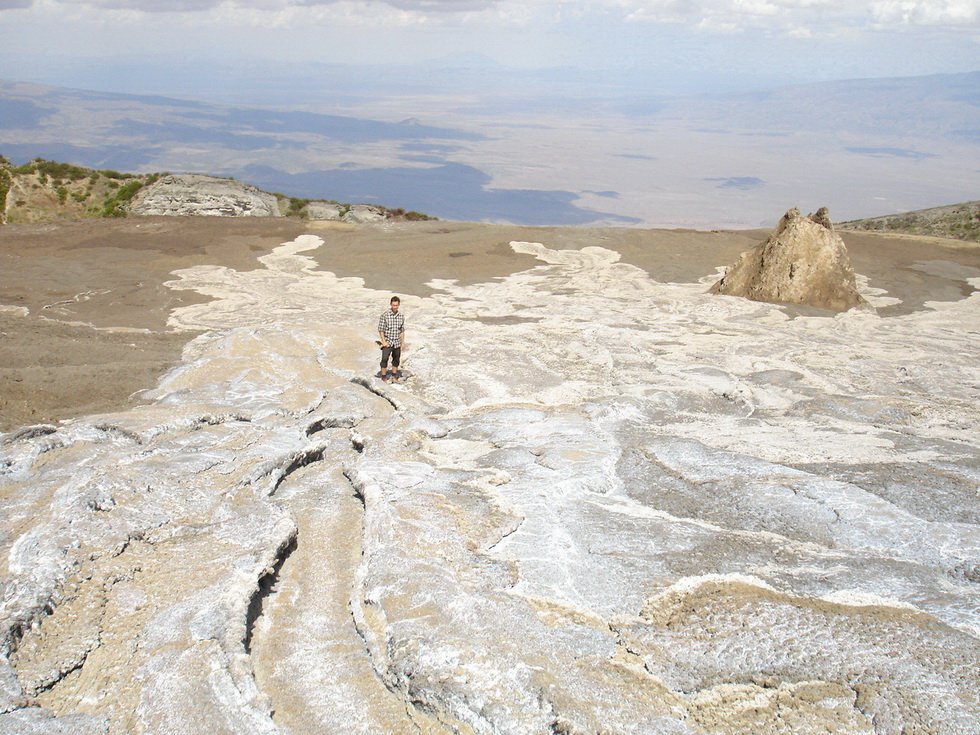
column 391, row 325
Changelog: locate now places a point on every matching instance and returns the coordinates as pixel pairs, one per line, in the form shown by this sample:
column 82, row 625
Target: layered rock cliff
column 191, row 195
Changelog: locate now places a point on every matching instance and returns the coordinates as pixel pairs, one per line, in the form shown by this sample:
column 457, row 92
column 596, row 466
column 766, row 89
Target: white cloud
column 439, row 6
column 797, row 17
column 756, row 8
column 154, row 6
column 927, row 12
column 421, row 7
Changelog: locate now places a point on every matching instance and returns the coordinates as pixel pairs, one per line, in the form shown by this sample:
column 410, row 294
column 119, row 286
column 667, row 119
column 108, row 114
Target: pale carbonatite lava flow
column 600, row 503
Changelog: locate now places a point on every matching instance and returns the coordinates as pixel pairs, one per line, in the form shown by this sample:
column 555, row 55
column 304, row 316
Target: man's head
column 395, row 303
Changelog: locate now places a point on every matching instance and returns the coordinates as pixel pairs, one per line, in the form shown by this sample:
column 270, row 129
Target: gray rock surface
column 363, row 213
column 355, row 213
column 195, row 195
column 329, row 211
column 803, row 261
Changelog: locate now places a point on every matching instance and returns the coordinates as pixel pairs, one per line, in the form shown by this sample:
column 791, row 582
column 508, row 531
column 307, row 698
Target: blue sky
column 708, row 46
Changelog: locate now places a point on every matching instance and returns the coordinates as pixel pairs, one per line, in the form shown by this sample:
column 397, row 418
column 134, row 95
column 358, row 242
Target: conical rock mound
column 803, row 261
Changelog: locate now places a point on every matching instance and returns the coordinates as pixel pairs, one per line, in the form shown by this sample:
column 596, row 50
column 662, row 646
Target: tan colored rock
column 803, row 261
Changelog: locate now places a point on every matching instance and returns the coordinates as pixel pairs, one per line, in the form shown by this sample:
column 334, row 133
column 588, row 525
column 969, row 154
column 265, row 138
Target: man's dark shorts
column 394, row 352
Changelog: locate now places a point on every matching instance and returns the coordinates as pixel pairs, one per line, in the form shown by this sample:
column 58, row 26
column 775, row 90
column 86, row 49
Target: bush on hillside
column 60, row 170
column 115, row 206
column 412, row 216
column 4, row 188
column 49, row 170
column 296, row 206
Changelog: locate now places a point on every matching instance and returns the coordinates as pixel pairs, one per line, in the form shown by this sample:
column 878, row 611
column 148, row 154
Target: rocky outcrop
column 190, row 194
column 803, row 261
column 331, row 211
column 353, row 213
column 361, row 213
column 48, row 191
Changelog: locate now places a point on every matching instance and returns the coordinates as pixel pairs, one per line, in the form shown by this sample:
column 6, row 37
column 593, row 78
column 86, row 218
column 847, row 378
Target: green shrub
column 62, row 193
column 4, row 188
column 129, row 190
column 60, row 170
column 115, row 206
column 296, row 206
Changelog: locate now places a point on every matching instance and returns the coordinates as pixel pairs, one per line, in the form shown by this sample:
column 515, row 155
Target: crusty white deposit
column 600, row 503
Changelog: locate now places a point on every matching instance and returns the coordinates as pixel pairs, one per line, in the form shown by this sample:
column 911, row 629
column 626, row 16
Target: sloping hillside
column 45, row 191
column 955, row 221
column 48, row 191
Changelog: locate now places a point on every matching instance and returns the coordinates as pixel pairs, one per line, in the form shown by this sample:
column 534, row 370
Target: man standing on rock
column 391, row 330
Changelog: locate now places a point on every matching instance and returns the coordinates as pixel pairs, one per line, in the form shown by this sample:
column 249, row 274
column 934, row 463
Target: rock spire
column 803, row 261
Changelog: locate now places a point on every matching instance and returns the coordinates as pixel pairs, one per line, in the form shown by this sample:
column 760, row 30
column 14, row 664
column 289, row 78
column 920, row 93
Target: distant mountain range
column 279, row 150
column 554, row 155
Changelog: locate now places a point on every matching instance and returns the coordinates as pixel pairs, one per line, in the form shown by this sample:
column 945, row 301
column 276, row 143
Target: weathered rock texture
column 325, row 210
column 802, row 262
column 361, row 213
column 190, row 194
column 771, row 528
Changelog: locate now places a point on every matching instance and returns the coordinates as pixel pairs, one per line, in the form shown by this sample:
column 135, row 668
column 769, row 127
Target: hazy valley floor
column 603, row 501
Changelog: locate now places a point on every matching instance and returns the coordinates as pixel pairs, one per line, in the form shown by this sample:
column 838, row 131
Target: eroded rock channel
column 603, row 522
